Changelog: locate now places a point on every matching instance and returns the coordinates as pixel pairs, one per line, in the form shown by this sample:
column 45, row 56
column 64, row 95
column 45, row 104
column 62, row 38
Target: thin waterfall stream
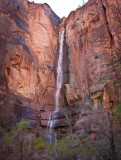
column 59, row 73
column 58, row 85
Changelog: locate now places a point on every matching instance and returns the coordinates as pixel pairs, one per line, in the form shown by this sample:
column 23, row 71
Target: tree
column 104, row 121
column 16, row 133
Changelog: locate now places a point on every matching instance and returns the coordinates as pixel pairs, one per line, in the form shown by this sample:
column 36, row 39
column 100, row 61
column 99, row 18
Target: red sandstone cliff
column 28, row 47
column 29, row 38
column 94, row 43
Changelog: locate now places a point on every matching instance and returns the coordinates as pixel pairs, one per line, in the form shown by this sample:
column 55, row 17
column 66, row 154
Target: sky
column 62, row 7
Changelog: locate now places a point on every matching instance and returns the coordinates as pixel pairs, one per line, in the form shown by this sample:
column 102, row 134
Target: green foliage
column 40, row 143
column 90, row 151
column 102, row 79
column 15, row 131
column 7, row 139
column 20, row 125
column 118, row 112
column 116, row 81
column 86, row 148
column 68, row 146
column 110, row 62
column 64, row 145
column 111, row 77
column 119, row 66
column 9, row 136
column 98, row 148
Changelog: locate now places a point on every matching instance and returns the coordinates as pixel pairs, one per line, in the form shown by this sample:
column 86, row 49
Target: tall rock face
column 94, row 45
column 43, row 25
column 28, row 46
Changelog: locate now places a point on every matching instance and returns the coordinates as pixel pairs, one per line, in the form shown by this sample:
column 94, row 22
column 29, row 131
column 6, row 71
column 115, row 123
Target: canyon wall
column 94, row 43
column 28, row 48
column 29, row 44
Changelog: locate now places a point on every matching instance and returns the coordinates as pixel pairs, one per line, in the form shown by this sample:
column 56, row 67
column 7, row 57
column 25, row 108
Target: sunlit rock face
column 93, row 38
column 28, row 48
column 43, row 25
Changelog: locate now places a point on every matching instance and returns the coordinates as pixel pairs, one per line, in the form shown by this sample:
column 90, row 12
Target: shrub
column 118, row 112
column 116, row 81
column 15, row 131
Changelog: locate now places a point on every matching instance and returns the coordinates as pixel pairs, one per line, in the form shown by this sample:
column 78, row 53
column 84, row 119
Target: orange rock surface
column 94, row 41
column 29, row 44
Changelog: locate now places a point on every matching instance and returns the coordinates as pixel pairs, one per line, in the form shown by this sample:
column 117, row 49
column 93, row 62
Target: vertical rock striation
column 28, row 46
column 94, row 44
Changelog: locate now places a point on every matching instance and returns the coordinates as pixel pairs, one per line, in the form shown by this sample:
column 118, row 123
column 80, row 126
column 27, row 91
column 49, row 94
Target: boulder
column 71, row 94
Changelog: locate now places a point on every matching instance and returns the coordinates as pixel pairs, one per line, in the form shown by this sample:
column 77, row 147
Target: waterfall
column 59, row 73
column 50, row 122
column 58, row 86
column 50, row 126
